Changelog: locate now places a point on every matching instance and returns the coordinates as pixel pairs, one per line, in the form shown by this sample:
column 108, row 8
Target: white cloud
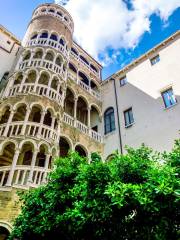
column 103, row 24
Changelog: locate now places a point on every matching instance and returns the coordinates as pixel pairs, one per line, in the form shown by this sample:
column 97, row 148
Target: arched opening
column 31, row 78
column 94, row 68
column 38, row 54
column 79, row 149
column 83, row 78
column 84, row 60
column 5, row 115
column 41, row 157
column 69, row 103
column 58, row 61
column 25, row 157
column 49, row 56
column 44, row 79
column 82, row 112
column 72, row 70
column 62, row 42
column 66, row 19
column 64, row 147
column 44, row 35
column 54, row 37
column 51, row 10
column 27, row 56
column 60, row 14
column 4, row 233
column 94, row 86
column 109, row 120
column 20, row 113
column 95, row 119
column 74, row 51
column 34, row 36
column 35, row 114
column 54, row 83
column 18, row 78
column 7, row 154
column 47, row 118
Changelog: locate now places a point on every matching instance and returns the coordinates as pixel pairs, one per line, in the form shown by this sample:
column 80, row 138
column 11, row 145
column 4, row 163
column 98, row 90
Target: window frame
column 154, row 60
column 170, row 100
column 130, row 121
column 124, row 82
column 109, row 121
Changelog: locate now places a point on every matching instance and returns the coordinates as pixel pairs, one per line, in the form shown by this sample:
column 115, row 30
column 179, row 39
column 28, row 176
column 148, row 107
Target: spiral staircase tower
column 47, row 107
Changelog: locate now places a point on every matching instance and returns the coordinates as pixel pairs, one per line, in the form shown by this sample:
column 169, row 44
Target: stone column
column 43, row 113
column 25, row 120
column 46, row 167
column 52, row 126
column 89, row 117
column 75, row 110
column 23, row 81
column 8, row 123
column 58, row 94
column 14, row 162
column 35, row 153
column 36, row 83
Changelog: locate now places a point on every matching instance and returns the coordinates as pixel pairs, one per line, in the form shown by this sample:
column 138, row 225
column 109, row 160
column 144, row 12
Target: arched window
column 4, row 77
column 109, row 120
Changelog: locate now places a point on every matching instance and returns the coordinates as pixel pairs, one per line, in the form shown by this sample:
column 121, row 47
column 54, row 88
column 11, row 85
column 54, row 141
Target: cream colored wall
column 111, row 140
column 7, row 53
column 154, row 125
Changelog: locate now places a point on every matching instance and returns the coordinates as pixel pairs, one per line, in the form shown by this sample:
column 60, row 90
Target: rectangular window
column 155, row 59
column 123, row 81
column 128, row 117
column 169, row 98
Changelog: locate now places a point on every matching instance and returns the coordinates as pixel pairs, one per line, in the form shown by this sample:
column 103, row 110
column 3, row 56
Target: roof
column 143, row 57
column 11, row 35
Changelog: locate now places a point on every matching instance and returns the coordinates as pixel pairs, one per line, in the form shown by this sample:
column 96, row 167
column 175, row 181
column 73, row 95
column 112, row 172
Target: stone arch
column 69, row 101
column 18, row 78
column 38, row 53
column 5, row 113
column 41, row 156
column 73, row 69
column 65, row 145
column 59, row 60
column 34, row 35
column 20, row 112
column 82, row 109
column 26, row 55
column 94, row 85
column 5, row 229
column 31, row 76
column 83, row 77
column 75, row 51
column 44, row 34
column 81, row 150
column 7, row 153
column 36, row 111
column 44, row 77
column 50, row 55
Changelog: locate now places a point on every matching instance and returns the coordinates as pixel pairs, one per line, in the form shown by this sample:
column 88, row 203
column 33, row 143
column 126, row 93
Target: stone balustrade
column 82, row 127
column 31, row 129
column 49, row 43
column 45, row 64
column 21, row 176
column 37, row 89
column 85, row 86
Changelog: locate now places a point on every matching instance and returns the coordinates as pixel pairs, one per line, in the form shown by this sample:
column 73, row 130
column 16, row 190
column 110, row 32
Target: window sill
column 130, row 125
column 110, row 133
column 166, row 108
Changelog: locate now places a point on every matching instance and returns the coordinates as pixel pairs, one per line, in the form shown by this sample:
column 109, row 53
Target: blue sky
column 114, row 45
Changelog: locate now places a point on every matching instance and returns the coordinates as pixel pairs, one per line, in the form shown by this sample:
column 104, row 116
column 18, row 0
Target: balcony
column 39, row 89
column 30, row 129
column 45, row 64
column 44, row 42
column 21, row 176
column 82, row 128
column 84, row 86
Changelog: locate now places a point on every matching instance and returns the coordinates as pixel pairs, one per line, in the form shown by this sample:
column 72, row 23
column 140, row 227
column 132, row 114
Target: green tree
column 133, row 196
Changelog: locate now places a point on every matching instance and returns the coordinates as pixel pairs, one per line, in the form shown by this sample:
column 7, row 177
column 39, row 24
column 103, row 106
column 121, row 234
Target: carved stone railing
column 48, row 43
column 45, row 64
column 85, row 86
column 39, row 89
column 82, row 127
column 32, row 129
column 21, row 176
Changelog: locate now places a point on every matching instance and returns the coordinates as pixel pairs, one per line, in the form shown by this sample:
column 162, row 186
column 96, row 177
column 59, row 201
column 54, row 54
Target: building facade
column 53, row 100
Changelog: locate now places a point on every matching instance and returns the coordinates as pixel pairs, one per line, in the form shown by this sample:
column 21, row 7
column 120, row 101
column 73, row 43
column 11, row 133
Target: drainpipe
column 117, row 108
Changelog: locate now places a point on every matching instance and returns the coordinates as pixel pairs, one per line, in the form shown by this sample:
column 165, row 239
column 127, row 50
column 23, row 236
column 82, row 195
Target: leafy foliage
column 133, row 196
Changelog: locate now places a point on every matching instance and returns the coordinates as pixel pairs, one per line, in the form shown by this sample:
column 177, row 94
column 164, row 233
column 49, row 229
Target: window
column 8, row 42
column 128, row 117
column 155, row 59
column 109, row 120
column 5, row 76
column 123, row 81
column 169, row 98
